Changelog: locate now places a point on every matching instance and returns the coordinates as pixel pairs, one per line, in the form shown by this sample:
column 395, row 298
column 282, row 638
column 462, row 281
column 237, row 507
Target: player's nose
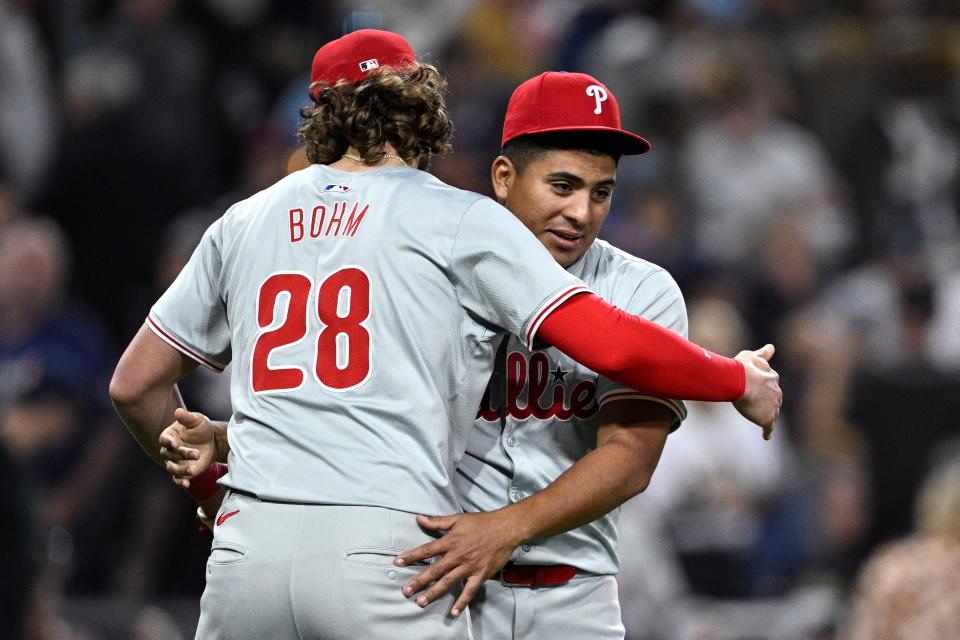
column 577, row 211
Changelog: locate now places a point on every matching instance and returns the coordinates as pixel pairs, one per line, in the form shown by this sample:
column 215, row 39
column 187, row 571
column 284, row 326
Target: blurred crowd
column 803, row 189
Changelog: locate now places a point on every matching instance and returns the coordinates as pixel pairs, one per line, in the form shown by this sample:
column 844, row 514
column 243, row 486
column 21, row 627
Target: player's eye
column 562, row 187
column 602, row 194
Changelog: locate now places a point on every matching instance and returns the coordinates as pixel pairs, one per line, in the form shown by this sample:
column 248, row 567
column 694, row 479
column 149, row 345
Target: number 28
column 342, row 346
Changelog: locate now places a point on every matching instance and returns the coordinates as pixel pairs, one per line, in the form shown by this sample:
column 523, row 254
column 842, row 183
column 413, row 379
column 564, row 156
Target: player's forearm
column 599, row 482
column 144, row 388
column 146, row 414
column 639, row 353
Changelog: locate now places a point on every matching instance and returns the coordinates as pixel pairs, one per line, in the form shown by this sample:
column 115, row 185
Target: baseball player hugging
column 557, row 447
column 364, row 305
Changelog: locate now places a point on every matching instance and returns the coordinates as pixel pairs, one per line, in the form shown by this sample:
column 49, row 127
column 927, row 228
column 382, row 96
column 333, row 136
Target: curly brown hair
column 403, row 107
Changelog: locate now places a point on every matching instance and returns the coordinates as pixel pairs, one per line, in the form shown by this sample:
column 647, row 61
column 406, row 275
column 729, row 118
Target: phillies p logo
column 599, row 94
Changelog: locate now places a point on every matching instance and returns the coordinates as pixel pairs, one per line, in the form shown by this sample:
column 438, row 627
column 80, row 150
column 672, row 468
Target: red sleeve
column 640, row 354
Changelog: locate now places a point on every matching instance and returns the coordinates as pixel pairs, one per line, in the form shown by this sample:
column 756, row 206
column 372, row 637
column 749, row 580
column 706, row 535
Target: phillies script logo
column 543, row 390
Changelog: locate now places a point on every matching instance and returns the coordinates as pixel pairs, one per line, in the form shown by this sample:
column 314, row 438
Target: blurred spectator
column 54, row 362
column 499, row 29
column 898, row 108
column 717, row 475
column 783, row 274
column 904, row 410
column 817, row 359
column 870, row 303
column 475, row 86
column 744, row 163
column 908, row 589
column 141, row 141
column 588, row 25
column 651, row 225
column 28, row 110
column 943, row 346
column 43, row 336
column 427, row 37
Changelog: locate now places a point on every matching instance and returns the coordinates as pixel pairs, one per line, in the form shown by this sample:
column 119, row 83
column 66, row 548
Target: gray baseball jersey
column 552, row 411
column 361, row 312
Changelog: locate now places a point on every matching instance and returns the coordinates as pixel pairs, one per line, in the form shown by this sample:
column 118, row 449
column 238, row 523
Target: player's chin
column 566, row 251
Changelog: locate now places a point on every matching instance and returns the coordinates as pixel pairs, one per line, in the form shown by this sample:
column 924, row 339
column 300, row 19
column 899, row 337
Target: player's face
column 563, row 197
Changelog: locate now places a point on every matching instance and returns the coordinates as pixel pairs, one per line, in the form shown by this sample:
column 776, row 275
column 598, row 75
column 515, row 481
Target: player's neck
column 352, row 161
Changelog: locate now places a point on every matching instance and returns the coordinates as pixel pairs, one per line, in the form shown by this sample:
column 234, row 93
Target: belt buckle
column 504, row 582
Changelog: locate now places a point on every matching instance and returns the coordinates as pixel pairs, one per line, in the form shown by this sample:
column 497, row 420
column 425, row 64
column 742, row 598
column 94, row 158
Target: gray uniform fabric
column 391, row 275
column 584, row 608
column 318, row 560
column 551, row 422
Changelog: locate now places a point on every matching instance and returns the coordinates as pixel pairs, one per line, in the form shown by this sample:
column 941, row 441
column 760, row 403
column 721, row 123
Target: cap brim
column 624, row 141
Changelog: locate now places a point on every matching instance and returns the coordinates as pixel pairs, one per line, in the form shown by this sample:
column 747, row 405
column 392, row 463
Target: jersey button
column 517, row 494
column 525, row 547
column 511, row 441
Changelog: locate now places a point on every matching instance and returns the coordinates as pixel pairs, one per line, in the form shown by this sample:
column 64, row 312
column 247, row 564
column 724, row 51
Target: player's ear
column 502, row 174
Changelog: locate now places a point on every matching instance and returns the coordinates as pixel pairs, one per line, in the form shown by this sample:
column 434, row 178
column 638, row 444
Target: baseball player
column 361, row 301
column 556, row 447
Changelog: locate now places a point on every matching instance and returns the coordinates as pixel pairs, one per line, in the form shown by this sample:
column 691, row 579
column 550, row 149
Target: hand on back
column 473, row 548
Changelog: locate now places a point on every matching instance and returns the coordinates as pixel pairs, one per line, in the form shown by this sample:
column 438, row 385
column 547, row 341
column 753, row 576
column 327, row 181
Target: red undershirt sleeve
column 640, row 354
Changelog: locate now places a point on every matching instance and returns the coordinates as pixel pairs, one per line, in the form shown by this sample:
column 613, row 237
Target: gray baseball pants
column 587, row 607
column 283, row 571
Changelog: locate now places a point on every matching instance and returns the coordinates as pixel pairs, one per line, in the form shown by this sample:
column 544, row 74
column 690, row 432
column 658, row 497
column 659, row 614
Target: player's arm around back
column 143, row 389
column 630, row 439
column 144, row 392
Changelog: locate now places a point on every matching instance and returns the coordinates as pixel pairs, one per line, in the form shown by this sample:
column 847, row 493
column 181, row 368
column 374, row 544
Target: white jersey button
column 511, row 441
column 525, row 547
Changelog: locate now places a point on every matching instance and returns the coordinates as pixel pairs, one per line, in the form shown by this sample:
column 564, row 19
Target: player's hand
column 762, row 398
column 476, row 546
column 188, row 446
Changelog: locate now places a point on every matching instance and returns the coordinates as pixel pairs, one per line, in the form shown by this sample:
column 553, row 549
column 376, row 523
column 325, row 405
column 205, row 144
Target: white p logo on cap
column 599, row 94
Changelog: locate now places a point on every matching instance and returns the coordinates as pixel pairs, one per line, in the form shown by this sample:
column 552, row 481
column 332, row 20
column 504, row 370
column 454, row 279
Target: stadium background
column 803, row 189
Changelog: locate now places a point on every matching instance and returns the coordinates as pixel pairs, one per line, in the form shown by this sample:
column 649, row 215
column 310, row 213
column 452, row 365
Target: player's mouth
column 566, row 240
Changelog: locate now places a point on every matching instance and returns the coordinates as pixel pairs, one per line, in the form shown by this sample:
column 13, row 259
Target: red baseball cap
column 561, row 101
column 354, row 55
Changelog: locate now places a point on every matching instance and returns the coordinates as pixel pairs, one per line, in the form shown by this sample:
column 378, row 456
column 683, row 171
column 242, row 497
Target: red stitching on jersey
column 173, row 341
